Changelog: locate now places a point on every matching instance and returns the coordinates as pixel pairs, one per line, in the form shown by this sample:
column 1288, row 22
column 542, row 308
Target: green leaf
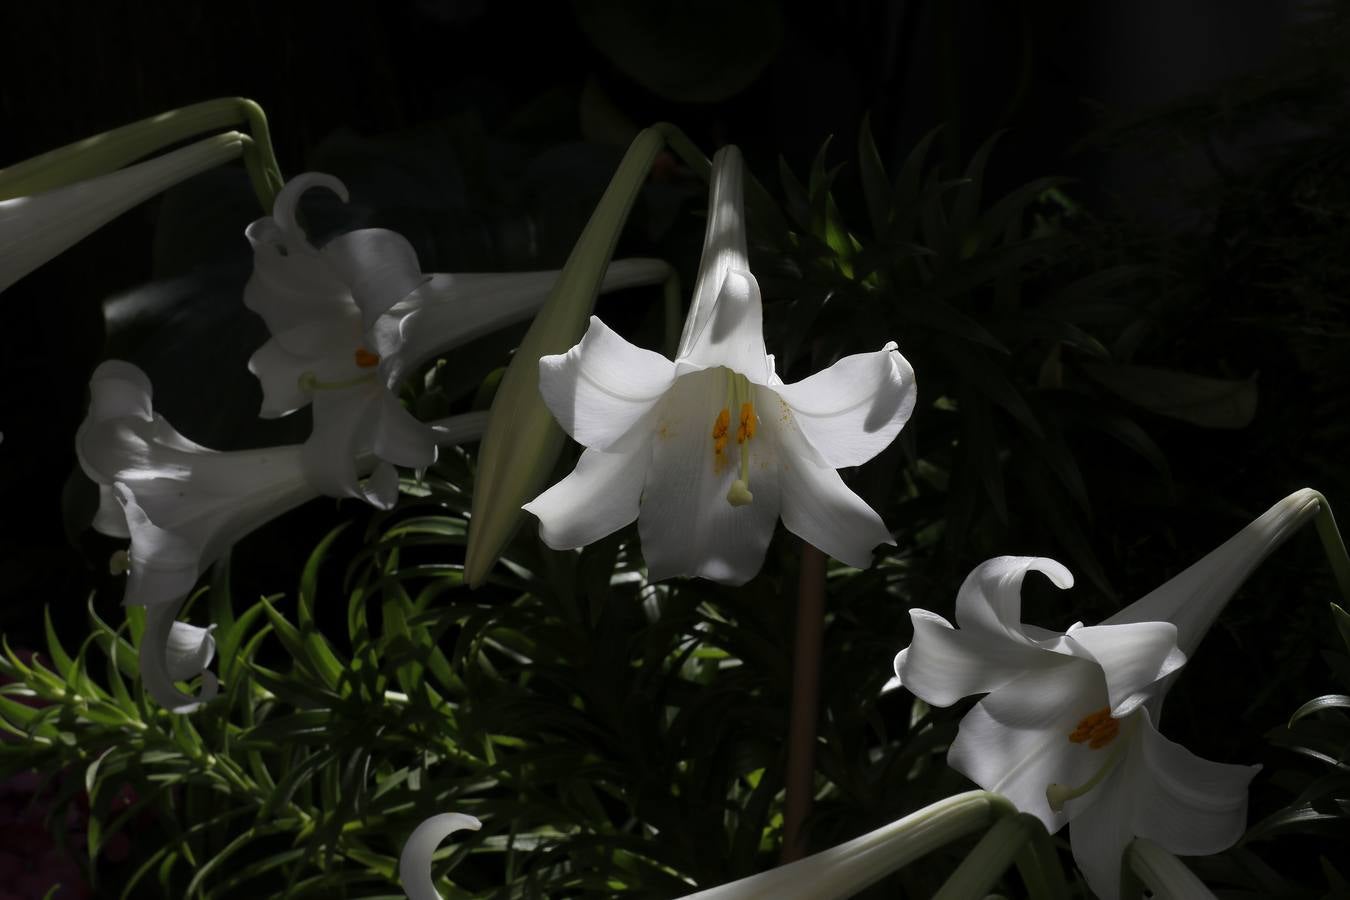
column 1198, row 399
column 877, row 192
column 1318, row 704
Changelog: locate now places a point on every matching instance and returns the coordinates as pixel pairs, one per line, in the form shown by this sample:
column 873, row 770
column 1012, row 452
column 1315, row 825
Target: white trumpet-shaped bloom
column 1067, row 730
column 35, row 229
column 351, row 319
column 708, row 450
column 182, row 506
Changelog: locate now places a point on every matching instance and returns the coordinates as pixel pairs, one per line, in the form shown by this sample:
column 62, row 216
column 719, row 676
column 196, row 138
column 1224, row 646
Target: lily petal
column 1188, row 805
column 348, row 424
column 378, row 266
column 990, row 599
column 599, row 497
column 601, row 387
column 852, row 411
column 175, row 651
column 1195, row 597
column 820, row 509
column 686, row 524
column 119, row 390
column 724, row 247
column 414, row 863
column 733, row 336
column 1103, row 829
column 1015, row 742
column 164, row 565
column 941, row 665
column 1133, row 658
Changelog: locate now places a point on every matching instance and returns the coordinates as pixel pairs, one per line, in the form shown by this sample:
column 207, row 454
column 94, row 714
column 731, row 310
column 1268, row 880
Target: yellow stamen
column 365, row 359
column 738, row 393
column 309, row 382
column 1096, row 729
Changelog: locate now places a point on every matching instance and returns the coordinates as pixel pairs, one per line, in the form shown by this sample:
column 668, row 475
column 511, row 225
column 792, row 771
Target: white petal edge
column 601, row 387
column 724, row 244
column 174, row 651
column 414, row 863
column 599, row 497
column 1187, row 805
column 941, row 664
column 853, row 410
column 990, row 599
column 1133, row 657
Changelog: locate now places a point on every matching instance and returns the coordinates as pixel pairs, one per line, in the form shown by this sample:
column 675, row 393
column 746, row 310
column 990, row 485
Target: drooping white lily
column 35, row 229
column 833, row 874
column 351, row 319
column 183, row 505
column 1067, row 729
column 707, row 451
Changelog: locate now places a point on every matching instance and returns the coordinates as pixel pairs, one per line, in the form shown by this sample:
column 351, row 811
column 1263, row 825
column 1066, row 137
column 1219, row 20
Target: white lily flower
column 183, row 505
column 350, row 320
column 1067, row 729
column 35, row 229
column 707, row 450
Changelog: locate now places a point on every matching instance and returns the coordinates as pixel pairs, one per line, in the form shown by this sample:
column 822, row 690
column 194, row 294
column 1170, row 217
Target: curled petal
column 288, row 198
column 941, row 665
column 852, row 411
column 414, row 863
column 117, row 390
column 599, row 497
column 601, row 387
column 175, row 651
column 990, row 599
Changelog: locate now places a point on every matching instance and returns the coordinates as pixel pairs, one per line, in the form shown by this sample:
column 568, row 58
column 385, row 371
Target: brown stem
column 801, row 761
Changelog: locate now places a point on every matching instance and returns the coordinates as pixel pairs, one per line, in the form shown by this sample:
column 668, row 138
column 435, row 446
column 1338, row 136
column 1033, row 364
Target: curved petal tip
column 414, row 863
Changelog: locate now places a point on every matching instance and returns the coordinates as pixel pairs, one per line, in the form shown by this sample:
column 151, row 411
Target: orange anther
column 365, row 359
column 1096, row 729
column 747, row 427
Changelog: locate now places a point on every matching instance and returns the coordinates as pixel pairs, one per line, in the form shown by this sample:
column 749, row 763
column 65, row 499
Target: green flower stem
column 111, row 150
column 1163, row 874
column 521, row 444
column 799, row 780
column 1038, row 862
column 1334, row 545
column 843, row 871
column 991, row 857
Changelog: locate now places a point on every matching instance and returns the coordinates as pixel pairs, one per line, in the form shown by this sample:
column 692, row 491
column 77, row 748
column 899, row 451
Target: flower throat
column 739, row 396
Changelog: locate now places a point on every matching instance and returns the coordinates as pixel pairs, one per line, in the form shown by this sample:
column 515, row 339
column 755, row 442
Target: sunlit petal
column 852, row 411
